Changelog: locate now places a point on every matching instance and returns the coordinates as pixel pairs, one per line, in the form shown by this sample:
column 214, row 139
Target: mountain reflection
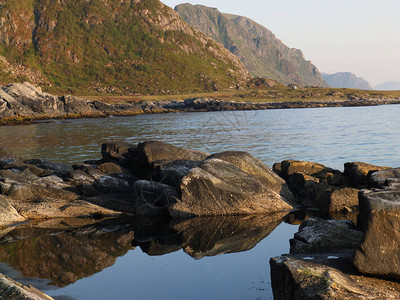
column 65, row 251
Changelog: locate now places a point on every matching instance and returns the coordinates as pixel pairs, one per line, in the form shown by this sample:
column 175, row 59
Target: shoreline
column 188, row 105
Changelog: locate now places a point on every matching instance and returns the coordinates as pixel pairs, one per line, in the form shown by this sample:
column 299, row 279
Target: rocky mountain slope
column 346, row 80
column 388, row 86
column 130, row 46
column 257, row 47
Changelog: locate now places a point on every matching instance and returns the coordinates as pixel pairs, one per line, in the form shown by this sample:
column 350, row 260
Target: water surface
column 174, row 261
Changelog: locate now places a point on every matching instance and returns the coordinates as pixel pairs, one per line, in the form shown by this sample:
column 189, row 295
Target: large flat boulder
column 218, row 187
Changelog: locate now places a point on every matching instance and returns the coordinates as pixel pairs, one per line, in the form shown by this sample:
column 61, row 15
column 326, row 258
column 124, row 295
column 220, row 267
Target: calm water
column 171, row 261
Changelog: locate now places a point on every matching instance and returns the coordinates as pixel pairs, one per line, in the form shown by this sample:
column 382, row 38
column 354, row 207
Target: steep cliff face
column 257, row 47
column 111, row 45
column 346, row 80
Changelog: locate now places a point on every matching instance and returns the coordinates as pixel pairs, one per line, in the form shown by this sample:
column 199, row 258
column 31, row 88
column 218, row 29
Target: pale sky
column 358, row 36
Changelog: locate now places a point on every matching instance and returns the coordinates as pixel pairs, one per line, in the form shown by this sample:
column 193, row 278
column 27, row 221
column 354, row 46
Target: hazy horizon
column 361, row 37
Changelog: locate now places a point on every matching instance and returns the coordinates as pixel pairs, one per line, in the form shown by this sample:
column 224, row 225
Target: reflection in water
column 48, row 250
column 65, row 255
column 208, row 236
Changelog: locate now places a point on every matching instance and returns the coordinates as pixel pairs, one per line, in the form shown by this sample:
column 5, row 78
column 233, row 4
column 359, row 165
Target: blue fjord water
column 331, row 136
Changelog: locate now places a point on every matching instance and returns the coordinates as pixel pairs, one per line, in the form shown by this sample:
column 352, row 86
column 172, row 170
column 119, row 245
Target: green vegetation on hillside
column 112, row 46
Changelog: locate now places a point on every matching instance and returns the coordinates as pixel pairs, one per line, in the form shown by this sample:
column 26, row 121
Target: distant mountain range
column 346, row 80
column 388, row 86
column 257, row 47
column 139, row 46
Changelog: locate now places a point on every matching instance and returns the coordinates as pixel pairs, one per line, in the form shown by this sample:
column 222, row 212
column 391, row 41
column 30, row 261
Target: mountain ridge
column 257, row 47
column 346, row 80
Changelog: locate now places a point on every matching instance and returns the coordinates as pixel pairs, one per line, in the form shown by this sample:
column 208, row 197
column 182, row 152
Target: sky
column 357, row 36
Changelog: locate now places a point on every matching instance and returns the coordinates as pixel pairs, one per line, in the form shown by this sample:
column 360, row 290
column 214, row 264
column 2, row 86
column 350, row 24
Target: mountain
column 131, row 46
column 257, row 47
column 388, row 86
column 346, row 80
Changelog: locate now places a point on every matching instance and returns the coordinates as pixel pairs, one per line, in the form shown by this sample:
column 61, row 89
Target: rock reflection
column 209, row 236
column 64, row 251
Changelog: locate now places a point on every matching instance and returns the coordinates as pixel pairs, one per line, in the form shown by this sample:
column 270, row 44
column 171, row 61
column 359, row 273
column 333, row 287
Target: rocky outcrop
column 321, row 265
column 226, row 183
column 259, row 50
column 23, row 102
column 151, row 178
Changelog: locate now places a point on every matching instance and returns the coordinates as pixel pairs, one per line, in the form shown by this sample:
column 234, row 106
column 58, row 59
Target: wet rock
column 11, row 289
column 326, row 277
column 319, row 235
column 379, row 253
column 358, row 172
column 218, row 187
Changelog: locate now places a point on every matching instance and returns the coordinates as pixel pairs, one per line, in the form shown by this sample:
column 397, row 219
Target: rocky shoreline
column 347, row 259
column 24, row 103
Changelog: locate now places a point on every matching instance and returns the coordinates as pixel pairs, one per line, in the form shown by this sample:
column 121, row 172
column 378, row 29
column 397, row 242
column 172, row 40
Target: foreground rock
column 379, row 253
column 297, row 277
column 151, row 178
column 321, row 265
column 227, row 183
